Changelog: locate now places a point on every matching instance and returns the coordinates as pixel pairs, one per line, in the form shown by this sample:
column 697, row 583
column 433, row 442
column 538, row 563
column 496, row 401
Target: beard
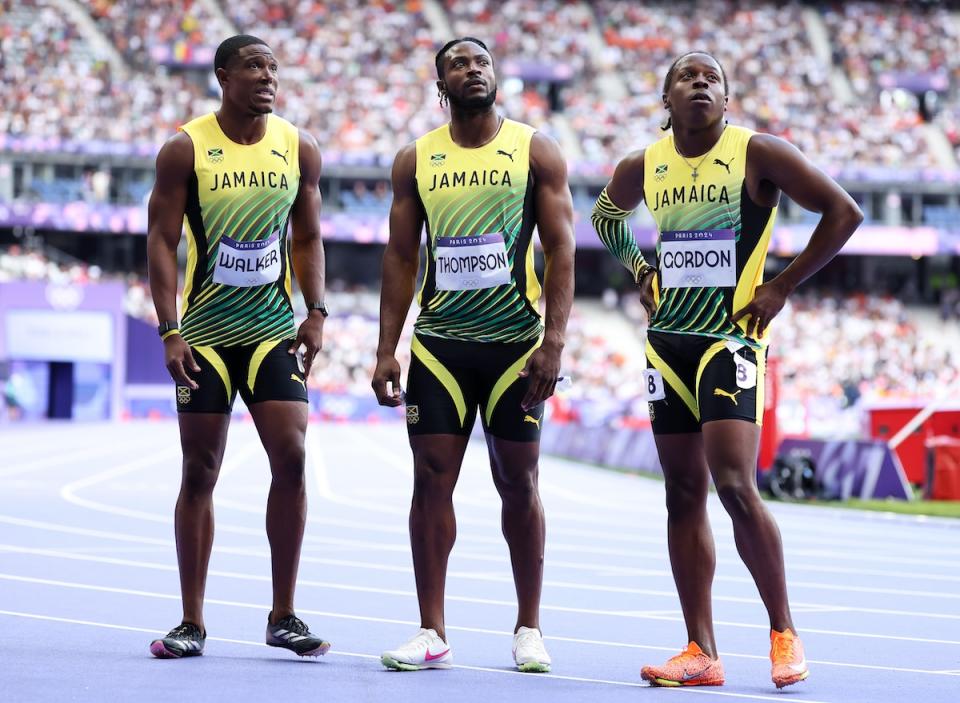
column 479, row 103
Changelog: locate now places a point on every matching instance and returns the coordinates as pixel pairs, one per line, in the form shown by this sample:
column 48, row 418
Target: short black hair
column 673, row 67
column 230, row 47
column 449, row 45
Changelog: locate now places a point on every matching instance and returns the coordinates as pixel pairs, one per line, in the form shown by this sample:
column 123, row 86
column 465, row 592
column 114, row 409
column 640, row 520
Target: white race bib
column 471, row 263
column 653, row 384
column 746, row 372
column 247, row 264
column 698, row 259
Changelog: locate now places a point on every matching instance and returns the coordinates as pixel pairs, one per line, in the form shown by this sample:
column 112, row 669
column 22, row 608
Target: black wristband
column 166, row 326
column 319, row 305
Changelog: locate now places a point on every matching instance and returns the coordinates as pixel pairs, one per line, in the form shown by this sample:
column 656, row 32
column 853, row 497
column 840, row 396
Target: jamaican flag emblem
column 215, row 154
column 660, row 172
column 437, row 159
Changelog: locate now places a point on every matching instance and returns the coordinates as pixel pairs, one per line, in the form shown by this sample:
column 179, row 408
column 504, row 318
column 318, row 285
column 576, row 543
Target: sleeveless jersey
column 713, row 238
column 237, row 284
column 480, row 284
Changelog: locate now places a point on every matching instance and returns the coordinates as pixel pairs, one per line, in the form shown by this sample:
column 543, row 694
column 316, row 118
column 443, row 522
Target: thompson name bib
column 471, row 263
column 698, row 259
column 247, row 264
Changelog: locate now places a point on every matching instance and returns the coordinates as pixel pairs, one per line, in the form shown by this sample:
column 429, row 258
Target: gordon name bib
column 247, row 264
column 698, row 259
column 471, row 263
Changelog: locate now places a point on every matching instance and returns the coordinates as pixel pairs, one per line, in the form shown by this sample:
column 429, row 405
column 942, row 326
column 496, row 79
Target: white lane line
column 401, row 530
column 833, row 540
column 67, row 457
column 726, row 623
column 68, row 492
column 457, row 628
column 850, row 526
column 455, row 574
column 347, row 587
column 577, row 496
column 358, row 655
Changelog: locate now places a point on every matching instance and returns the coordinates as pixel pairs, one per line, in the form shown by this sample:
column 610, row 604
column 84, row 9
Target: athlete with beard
column 480, row 184
column 237, row 178
column 713, row 190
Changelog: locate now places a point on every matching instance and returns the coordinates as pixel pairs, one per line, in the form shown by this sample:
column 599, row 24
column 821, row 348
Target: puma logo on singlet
column 727, row 394
column 718, row 162
column 294, row 377
column 532, row 420
column 501, row 152
column 282, row 156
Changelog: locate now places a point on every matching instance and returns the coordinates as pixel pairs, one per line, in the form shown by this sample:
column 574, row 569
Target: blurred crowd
column 836, row 355
column 840, row 80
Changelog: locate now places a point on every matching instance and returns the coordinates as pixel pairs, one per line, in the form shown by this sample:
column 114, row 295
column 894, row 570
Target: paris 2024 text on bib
column 248, row 264
column 698, row 258
column 472, row 262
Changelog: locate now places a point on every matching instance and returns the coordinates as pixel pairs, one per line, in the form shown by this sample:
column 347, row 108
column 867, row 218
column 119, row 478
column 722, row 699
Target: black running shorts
column 702, row 379
column 265, row 371
column 450, row 380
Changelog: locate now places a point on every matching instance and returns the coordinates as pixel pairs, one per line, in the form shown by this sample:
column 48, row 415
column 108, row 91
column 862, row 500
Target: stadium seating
column 360, row 76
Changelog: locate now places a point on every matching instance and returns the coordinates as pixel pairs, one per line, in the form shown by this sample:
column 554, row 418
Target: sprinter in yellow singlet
column 713, row 190
column 238, row 179
column 480, row 184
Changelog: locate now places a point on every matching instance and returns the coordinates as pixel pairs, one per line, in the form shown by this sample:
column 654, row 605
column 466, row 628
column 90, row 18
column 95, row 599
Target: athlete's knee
column 740, row 498
column 287, row 465
column 200, row 471
column 517, row 485
column 685, row 498
column 433, row 478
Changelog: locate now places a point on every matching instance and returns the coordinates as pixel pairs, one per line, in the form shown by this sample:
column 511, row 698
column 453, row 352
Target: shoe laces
column 686, row 655
column 424, row 637
column 185, row 630
column 528, row 638
column 293, row 624
column 783, row 648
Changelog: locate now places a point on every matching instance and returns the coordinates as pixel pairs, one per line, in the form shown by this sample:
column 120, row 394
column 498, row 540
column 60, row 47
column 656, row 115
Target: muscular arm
column 554, row 207
column 399, row 272
column 610, row 219
column 168, row 201
column 774, row 164
column 778, row 162
column 307, row 248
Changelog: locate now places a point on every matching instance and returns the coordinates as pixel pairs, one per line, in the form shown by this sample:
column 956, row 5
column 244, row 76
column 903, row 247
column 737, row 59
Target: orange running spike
column 787, row 658
column 689, row 668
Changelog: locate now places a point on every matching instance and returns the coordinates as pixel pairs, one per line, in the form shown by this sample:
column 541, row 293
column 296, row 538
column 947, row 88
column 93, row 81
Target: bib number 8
column 653, row 381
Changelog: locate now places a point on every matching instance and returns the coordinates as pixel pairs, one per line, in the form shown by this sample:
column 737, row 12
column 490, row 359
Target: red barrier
column 943, row 472
column 885, row 422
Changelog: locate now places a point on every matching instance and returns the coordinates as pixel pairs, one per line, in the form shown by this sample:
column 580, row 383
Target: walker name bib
column 698, row 258
column 248, row 264
column 471, row 263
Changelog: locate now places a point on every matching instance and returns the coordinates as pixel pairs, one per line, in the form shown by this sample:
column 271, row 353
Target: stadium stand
column 360, row 76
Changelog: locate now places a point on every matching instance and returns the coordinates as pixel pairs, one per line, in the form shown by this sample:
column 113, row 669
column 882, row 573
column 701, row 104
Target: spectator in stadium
column 713, row 189
column 237, row 176
column 479, row 341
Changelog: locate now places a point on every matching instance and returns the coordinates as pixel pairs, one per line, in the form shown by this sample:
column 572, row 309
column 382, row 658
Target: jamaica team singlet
column 480, row 284
column 237, row 284
column 713, row 238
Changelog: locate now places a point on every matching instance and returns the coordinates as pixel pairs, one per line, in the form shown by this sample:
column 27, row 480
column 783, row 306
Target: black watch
column 321, row 306
column 166, row 326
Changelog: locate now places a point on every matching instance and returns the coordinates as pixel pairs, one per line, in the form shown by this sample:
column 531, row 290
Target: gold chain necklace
column 695, row 169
